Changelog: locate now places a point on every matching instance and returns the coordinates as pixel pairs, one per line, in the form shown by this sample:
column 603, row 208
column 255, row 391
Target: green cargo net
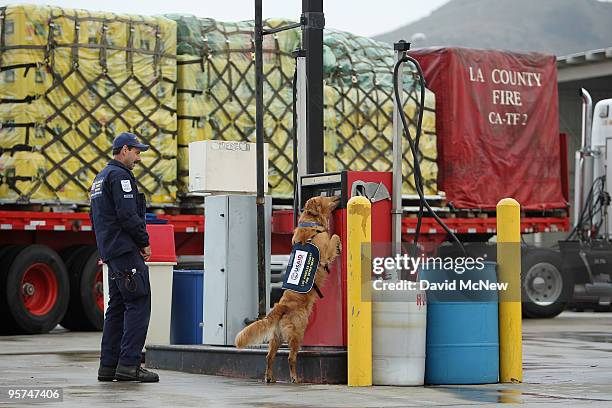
column 216, row 99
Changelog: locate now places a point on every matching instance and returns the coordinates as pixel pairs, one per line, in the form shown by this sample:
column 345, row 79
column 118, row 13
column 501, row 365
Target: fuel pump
column 327, row 325
column 384, row 190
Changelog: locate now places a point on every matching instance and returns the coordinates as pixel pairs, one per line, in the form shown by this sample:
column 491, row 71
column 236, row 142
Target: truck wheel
column 7, row 253
column 74, row 317
column 34, row 284
column 546, row 287
column 71, row 254
column 86, row 308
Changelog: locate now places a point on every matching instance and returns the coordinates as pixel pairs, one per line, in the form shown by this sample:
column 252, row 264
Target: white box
column 217, row 166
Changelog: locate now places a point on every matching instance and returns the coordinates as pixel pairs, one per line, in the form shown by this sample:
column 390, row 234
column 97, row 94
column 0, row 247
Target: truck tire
column 35, row 289
column 7, row 253
column 74, row 315
column 71, row 254
column 546, row 287
column 86, row 307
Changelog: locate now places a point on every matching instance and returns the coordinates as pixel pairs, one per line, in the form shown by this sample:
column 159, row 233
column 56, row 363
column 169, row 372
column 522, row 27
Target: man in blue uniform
column 118, row 219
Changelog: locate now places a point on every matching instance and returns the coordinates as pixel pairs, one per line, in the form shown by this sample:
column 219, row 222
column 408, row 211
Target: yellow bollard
column 509, row 270
column 359, row 312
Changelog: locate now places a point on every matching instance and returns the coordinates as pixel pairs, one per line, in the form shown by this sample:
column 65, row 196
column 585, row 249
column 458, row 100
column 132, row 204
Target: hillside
column 559, row 27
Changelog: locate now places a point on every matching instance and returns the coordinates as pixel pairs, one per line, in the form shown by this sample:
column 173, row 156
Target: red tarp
column 497, row 126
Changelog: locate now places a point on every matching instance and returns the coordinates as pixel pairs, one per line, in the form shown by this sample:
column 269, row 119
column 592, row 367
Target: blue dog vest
column 302, row 268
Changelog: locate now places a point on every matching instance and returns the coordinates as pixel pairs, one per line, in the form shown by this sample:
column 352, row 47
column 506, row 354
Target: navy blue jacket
column 117, row 212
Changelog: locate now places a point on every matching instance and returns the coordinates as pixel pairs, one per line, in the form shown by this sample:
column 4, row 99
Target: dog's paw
column 337, row 244
column 294, row 380
column 270, row 380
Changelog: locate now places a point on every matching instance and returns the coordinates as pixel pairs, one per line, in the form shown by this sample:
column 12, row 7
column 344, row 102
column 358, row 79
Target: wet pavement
column 567, row 362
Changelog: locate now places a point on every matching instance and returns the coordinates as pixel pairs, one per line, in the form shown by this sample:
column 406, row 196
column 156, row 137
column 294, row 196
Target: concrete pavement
column 566, row 363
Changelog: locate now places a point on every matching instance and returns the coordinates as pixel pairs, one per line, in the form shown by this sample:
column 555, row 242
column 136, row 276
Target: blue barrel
column 187, row 307
column 462, row 344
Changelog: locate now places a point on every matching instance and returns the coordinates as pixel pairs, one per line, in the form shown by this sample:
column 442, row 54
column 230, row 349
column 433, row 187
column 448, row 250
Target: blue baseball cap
column 128, row 139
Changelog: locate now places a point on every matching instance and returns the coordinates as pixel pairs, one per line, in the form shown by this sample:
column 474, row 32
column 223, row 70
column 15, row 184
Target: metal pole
column 587, row 118
column 300, row 125
column 313, row 22
column 582, row 172
column 578, row 163
column 302, row 141
column 398, row 159
column 259, row 136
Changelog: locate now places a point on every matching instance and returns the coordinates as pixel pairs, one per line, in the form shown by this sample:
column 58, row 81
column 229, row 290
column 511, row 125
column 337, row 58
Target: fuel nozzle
column 401, row 46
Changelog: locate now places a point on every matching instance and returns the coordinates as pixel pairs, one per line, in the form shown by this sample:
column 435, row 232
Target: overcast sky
column 364, row 17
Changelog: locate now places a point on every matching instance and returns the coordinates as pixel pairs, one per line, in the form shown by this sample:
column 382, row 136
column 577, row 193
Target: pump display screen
column 326, row 185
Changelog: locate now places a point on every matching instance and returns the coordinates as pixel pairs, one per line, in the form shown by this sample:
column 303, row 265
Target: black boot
column 106, row 373
column 135, row 373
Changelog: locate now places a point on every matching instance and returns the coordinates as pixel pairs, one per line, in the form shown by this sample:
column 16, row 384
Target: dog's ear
column 331, row 203
column 313, row 207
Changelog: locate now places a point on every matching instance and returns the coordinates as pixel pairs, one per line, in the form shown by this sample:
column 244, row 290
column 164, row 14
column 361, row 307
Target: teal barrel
column 462, row 344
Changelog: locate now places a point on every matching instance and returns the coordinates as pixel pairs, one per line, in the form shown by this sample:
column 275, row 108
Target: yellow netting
column 70, row 81
column 216, row 99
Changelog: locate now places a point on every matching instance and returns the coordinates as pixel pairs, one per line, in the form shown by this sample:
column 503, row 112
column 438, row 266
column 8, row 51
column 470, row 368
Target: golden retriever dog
column 288, row 319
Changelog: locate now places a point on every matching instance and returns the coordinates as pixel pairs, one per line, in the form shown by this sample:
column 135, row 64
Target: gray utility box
column 230, row 265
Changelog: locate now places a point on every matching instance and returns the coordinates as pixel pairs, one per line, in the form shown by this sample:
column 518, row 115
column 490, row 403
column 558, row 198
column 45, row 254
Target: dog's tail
column 261, row 330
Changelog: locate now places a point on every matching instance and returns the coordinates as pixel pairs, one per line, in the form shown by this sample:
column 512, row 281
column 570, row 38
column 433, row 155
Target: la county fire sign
column 302, row 268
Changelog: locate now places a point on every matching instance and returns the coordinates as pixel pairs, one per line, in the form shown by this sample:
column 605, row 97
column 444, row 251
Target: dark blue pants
column 129, row 309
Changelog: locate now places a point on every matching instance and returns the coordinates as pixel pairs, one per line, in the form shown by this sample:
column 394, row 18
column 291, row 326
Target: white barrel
column 398, row 340
column 160, row 277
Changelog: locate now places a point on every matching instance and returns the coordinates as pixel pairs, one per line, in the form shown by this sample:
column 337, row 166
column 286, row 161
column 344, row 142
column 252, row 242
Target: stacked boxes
column 359, row 110
column 70, row 81
column 216, row 91
column 216, row 99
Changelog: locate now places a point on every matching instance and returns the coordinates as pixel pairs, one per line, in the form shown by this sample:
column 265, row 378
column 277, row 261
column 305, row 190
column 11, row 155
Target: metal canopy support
column 259, row 136
column 313, row 22
column 310, row 106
